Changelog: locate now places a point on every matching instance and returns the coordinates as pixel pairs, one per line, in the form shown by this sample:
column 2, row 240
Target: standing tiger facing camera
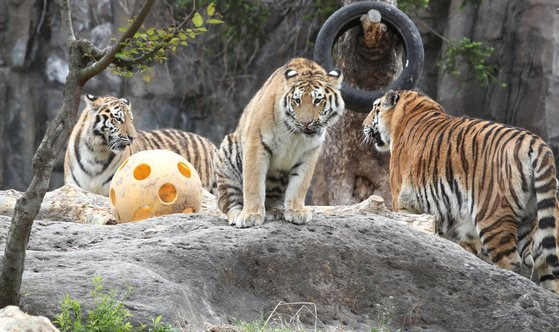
column 267, row 163
column 490, row 186
column 104, row 137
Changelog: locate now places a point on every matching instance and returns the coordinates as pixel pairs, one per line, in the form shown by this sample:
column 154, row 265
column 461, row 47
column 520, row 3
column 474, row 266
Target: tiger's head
column 113, row 123
column 377, row 124
column 312, row 100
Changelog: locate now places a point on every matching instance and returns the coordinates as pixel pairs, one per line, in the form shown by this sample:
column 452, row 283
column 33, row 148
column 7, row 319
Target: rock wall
column 525, row 35
column 202, row 89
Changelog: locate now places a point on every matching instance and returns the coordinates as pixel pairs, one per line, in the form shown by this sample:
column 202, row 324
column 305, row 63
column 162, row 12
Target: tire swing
column 348, row 17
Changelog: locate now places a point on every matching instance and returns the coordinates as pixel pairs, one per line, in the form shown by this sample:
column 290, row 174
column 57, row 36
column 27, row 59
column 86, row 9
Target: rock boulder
column 194, row 269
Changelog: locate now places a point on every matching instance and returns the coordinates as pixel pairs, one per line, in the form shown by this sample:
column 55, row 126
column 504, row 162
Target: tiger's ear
column 126, row 101
column 89, row 100
column 336, row 77
column 391, row 98
column 290, row 73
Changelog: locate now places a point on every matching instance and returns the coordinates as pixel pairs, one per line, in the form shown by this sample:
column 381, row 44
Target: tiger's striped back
column 105, row 136
column 198, row 150
column 491, row 186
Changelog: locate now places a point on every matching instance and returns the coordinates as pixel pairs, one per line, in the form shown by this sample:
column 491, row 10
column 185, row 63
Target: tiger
column 267, row 163
column 490, row 186
column 104, row 136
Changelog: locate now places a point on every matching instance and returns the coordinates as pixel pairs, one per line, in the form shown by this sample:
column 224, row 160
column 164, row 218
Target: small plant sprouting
column 385, row 317
column 107, row 313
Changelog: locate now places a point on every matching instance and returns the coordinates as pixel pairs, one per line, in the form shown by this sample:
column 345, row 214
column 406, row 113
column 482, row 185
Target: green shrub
column 107, row 314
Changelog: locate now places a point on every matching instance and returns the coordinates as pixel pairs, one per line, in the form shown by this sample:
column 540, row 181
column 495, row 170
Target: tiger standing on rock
column 492, row 187
column 104, row 137
column 266, row 165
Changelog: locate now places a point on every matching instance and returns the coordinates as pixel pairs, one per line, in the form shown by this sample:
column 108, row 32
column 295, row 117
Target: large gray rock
column 194, row 269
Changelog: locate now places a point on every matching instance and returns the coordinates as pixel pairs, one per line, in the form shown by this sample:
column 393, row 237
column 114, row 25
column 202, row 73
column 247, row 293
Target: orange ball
column 153, row 183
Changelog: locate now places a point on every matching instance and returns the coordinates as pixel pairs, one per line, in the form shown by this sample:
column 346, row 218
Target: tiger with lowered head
column 492, row 187
column 105, row 136
column 267, row 163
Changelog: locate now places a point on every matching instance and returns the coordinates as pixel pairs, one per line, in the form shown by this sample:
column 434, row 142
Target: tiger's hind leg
column 229, row 179
column 498, row 238
column 275, row 195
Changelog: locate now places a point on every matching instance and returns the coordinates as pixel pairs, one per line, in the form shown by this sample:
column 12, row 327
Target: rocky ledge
column 352, row 263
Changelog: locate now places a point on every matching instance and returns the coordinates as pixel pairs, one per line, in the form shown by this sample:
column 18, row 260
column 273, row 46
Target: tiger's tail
column 230, row 177
column 544, row 245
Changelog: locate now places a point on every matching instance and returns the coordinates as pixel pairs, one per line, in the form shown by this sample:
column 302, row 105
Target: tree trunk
column 57, row 133
column 349, row 171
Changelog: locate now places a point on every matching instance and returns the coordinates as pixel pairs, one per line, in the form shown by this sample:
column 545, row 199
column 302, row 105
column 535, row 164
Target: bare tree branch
column 91, row 51
column 108, row 58
column 148, row 57
column 67, row 21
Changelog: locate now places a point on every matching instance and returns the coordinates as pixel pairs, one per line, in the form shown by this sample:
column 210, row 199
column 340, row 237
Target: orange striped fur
column 104, row 137
column 266, row 165
column 491, row 186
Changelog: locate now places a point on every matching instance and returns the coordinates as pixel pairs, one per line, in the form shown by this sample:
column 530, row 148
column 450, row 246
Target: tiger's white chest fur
column 289, row 149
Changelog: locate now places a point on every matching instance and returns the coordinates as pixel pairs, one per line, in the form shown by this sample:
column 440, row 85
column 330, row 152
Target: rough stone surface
column 67, row 203
column 194, row 269
column 12, row 319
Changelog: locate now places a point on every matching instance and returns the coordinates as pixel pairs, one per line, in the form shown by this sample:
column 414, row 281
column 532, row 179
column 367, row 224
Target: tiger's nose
column 306, row 124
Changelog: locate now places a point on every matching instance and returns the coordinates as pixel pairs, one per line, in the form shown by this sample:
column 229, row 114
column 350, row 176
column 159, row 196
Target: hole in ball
column 183, row 168
column 167, row 193
column 143, row 213
column 113, row 197
column 142, row 171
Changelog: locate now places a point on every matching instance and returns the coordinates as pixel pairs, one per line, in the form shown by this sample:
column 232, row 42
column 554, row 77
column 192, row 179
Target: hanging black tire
column 348, row 17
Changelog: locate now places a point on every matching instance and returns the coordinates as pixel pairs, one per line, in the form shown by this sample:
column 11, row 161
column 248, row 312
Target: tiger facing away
column 267, row 163
column 104, row 137
column 483, row 181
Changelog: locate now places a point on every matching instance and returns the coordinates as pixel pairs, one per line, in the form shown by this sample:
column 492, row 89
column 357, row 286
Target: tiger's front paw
column 298, row 216
column 249, row 219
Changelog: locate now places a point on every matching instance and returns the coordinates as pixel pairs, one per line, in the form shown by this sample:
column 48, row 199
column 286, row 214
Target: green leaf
column 182, row 36
column 122, row 29
column 211, row 9
column 214, row 21
column 150, row 31
column 197, row 20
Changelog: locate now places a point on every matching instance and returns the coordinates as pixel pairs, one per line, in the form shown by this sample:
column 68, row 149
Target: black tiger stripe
column 266, row 146
column 74, row 178
column 497, row 258
column 157, row 139
column 546, row 203
column 108, row 179
column 77, row 154
column 549, row 242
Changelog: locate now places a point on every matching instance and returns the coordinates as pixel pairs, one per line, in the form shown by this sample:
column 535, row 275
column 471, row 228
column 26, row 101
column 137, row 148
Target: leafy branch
column 155, row 45
column 458, row 52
